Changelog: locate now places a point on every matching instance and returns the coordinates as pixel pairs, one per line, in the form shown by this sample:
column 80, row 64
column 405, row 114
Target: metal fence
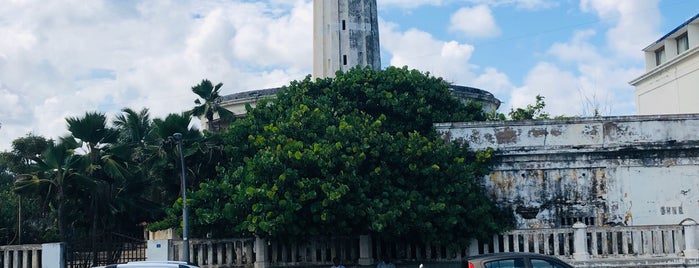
column 114, row 249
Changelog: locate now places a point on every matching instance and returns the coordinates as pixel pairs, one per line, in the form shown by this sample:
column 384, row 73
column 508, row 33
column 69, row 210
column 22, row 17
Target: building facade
column 670, row 84
column 345, row 34
column 625, row 170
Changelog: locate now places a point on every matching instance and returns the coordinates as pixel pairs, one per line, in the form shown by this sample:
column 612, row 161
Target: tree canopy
column 99, row 179
column 210, row 103
column 354, row 154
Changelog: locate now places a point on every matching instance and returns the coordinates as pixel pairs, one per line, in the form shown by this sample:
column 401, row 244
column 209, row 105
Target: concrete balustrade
column 581, row 245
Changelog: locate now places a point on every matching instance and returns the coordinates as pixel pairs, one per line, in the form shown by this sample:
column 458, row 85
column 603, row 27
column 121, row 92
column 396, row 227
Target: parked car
column 516, row 260
column 151, row 264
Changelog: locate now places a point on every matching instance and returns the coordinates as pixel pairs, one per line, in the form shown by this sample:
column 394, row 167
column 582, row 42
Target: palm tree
column 56, row 171
column 134, row 127
column 163, row 163
column 201, row 155
column 210, row 104
column 108, row 164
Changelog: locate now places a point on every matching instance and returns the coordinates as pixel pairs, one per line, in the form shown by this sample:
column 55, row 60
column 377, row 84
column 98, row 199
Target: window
column 660, row 56
column 343, row 25
column 682, row 43
column 344, row 59
column 538, row 263
column 511, row 263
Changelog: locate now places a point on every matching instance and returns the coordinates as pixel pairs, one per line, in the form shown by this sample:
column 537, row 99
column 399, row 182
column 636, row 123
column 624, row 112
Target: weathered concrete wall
column 634, row 170
column 345, row 34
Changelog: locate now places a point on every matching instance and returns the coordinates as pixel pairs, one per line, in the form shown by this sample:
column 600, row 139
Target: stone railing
column 674, row 245
column 217, row 252
column 582, row 246
column 20, row 256
column 648, row 241
column 556, row 242
column 598, row 242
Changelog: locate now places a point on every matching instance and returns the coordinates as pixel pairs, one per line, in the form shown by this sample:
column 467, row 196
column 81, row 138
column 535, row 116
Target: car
column 151, row 264
column 516, row 260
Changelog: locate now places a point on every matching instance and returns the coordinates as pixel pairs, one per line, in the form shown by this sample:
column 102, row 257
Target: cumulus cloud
column 475, row 21
column 577, row 49
column 420, row 50
column 581, row 78
column 547, row 80
column 636, row 23
column 493, row 81
column 447, row 59
column 68, row 57
column 596, row 83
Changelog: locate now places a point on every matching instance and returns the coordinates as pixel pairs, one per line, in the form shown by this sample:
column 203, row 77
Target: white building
column 345, row 34
column 671, row 82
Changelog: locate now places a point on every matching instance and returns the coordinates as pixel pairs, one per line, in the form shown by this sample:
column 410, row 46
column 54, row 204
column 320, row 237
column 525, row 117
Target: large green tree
column 23, row 219
column 54, row 176
column 355, row 154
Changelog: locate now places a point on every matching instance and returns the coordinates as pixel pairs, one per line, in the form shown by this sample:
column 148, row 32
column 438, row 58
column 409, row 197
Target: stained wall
column 628, row 170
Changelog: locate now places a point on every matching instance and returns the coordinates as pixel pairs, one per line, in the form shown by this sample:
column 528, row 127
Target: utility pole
column 185, row 222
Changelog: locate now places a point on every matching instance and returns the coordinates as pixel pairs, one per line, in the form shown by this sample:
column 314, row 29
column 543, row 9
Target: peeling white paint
column 632, row 170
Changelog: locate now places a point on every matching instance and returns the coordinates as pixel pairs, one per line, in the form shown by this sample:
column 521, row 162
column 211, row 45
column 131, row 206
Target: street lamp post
column 185, row 224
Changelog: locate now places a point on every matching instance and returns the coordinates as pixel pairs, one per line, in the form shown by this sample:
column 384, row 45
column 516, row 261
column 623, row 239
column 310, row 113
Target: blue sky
column 66, row 57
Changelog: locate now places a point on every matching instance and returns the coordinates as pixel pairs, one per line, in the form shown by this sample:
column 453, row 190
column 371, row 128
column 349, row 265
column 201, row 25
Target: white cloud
column 557, row 87
column 475, row 21
column 447, row 59
column 636, row 23
column 69, row 57
column 493, row 81
column 577, row 49
column 593, row 81
column 420, row 50
column 11, row 110
column 582, row 77
column 277, row 41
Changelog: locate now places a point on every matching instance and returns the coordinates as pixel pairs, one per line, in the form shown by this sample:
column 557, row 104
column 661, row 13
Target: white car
column 151, row 264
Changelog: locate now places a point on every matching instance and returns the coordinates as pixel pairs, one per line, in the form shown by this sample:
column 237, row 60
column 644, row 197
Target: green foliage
column 37, row 224
column 25, row 149
column 8, row 210
column 210, row 103
column 356, row 154
column 99, row 180
column 531, row 112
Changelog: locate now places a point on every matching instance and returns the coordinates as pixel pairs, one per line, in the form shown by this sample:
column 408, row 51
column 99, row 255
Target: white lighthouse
column 345, row 34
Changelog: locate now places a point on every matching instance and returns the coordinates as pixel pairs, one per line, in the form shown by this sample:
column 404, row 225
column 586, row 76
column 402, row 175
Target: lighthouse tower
column 345, row 34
